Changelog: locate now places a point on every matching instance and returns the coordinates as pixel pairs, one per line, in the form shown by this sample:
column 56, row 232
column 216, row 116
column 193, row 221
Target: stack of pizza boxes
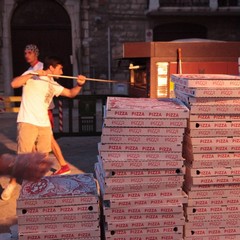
column 140, row 168
column 59, row 207
column 212, row 152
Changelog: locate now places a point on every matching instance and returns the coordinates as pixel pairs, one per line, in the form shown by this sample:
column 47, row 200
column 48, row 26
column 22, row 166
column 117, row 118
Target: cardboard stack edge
column 59, row 207
column 211, row 148
column 140, row 168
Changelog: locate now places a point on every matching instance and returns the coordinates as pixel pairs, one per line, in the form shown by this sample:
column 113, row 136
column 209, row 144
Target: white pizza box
column 143, row 173
column 214, row 172
column 144, row 210
column 211, row 187
column 144, row 194
column 142, row 217
column 215, row 180
column 212, row 209
column 57, row 218
column 225, row 237
column 145, row 231
column 212, row 224
column 229, row 132
column 213, row 231
column 206, row 80
column 146, row 123
column 216, row 148
column 214, row 118
column 142, row 180
column 215, row 163
column 128, row 156
column 145, row 224
column 140, row 139
column 123, row 107
column 135, row 187
column 138, row 164
column 212, row 217
column 215, row 125
column 59, row 190
column 148, row 237
column 215, row 156
column 226, row 200
column 213, row 193
column 74, row 234
column 133, row 131
column 193, row 101
column 214, row 109
column 58, row 210
column 146, row 147
column 215, row 141
column 204, row 92
column 50, row 227
column 178, row 199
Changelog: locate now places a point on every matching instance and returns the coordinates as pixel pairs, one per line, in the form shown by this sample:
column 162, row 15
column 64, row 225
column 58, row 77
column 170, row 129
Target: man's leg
column 27, row 135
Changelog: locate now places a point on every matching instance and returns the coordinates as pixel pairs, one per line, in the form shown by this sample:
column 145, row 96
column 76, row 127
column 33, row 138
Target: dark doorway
column 173, row 31
column 46, row 24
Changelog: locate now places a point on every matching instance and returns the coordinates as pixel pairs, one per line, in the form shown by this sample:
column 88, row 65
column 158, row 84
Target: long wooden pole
column 87, row 79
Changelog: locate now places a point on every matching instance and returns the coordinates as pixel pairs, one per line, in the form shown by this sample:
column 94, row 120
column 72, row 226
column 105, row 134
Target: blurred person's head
column 31, row 53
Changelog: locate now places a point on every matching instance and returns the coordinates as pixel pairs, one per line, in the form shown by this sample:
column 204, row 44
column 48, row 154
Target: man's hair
column 52, row 61
column 32, row 48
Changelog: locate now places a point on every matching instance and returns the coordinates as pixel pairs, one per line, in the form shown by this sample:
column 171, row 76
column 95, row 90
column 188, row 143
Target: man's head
column 54, row 65
column 31, row 54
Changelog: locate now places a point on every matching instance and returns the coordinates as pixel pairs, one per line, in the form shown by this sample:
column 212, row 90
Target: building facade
column 89, row 35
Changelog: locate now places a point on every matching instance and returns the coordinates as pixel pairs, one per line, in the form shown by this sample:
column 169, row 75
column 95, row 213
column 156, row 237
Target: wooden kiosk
column 152, row 63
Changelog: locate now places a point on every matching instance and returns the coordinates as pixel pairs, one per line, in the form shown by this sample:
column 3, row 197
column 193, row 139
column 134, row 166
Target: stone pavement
column 80, row 153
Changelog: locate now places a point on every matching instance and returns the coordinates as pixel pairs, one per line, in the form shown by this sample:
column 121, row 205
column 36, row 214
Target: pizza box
column 214, row 172
column 145, row 231
column 226, row 200
column 216, row 164
column 205, row 92
column 140, row 139
column 212, row 209
column 145, row 122
column 213, row 231
column 215, row 141
column 197, row 101
column 150, row 131
column 215, row 125
column 144, row 194
column 145, row 224
column 143, row 173
column 51, row 227
column 142, row 180
column 196, row 194
column 178, row 199
column 123, row 107
column 215, row 180
column 214, row 118
column 58, row 210
column 212, row 224
column 148, row 237
column 73, row 234
column 225, row 237
column 142, row 217
column 58, row 190
column 215, row 156
column 212, row 186
column 138, row 164
column 128, row 156
column 212, row 217
column 214, row 109
column 206, row 80
column 146, row 147
column 57, row 218
column 228, row 132
column 144, row 210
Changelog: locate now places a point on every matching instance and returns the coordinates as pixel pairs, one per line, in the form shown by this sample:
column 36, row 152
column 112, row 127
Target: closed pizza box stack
column 140, row 168
column 59, row 207
column 212, row 151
